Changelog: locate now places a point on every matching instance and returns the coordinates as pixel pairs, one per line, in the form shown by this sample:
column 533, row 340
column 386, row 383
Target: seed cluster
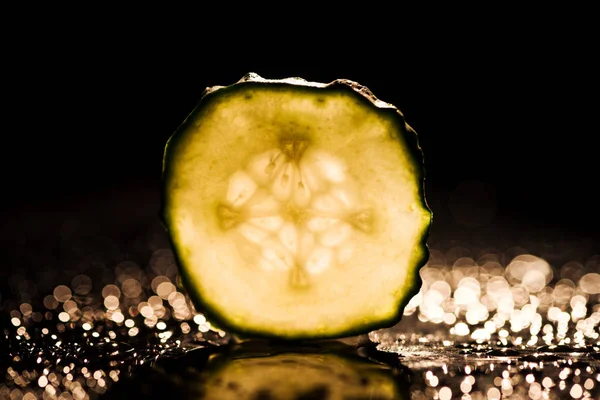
column 294, row 209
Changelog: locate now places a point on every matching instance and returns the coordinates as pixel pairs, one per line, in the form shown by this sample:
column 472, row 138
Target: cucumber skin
column 410, row 137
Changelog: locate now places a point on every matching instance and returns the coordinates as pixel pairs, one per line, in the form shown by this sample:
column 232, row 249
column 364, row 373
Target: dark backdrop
column 506, row 118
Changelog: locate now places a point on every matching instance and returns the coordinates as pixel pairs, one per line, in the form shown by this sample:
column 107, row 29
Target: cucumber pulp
column 296, row 209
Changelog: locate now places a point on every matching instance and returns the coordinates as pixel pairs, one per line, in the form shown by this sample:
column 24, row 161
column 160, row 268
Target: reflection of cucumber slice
column 296, row 209
column 267, row 371
column 299, row 376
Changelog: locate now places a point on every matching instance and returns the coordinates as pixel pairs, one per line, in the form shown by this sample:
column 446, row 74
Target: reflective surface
column 324, row 371
column 487, row 324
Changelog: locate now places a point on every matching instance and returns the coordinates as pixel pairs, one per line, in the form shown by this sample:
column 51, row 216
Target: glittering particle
column 445, row 393
column 576, row 391
column 151, row 321
column 64, row 316
column 16, row 394
column 69, row 306
column 535, row 391
column 176, row 299
column 164, row 289
column 118, row 317
column 62, row 293
column 131, row 288
column 26, row 309
column 146, row 309
column 434, row 381
column 204, row 327
column 449, row 318
column 49, row 389
column 590, row 283
column 133, row 311
column 111, row 290
column 79, row 393
column 185, row 328
column 466, row 386
column 465, row 295
column 589, row 384
column 111, row 302
column 157, row 281
column 461, row 329
column 42, row 381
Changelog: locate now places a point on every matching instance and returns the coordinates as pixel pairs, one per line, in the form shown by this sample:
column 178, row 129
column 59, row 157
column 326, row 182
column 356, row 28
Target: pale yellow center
column 294, row 208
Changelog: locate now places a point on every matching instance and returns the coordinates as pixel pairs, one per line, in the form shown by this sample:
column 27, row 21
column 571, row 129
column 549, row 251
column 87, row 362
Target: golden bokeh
column 496, row 325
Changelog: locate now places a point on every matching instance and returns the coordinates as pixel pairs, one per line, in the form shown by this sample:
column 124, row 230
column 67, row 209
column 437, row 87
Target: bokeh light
column 486, row 324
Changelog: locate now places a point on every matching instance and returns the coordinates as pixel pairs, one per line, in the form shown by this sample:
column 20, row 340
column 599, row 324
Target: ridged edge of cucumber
column 410, row 136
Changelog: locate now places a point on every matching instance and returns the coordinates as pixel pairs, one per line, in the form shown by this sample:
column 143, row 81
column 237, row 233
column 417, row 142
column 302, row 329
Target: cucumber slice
column 296, row 209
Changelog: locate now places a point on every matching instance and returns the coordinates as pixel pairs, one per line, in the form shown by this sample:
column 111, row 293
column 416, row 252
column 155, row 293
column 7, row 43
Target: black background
column 511, row 106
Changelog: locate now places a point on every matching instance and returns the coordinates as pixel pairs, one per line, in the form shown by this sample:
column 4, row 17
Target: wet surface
column 94, row 310
column 490, row 370
column 73, row 364
column 142, row 335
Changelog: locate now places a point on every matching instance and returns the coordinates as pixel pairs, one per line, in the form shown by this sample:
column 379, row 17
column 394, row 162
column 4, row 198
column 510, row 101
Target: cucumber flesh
column 296, row 209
